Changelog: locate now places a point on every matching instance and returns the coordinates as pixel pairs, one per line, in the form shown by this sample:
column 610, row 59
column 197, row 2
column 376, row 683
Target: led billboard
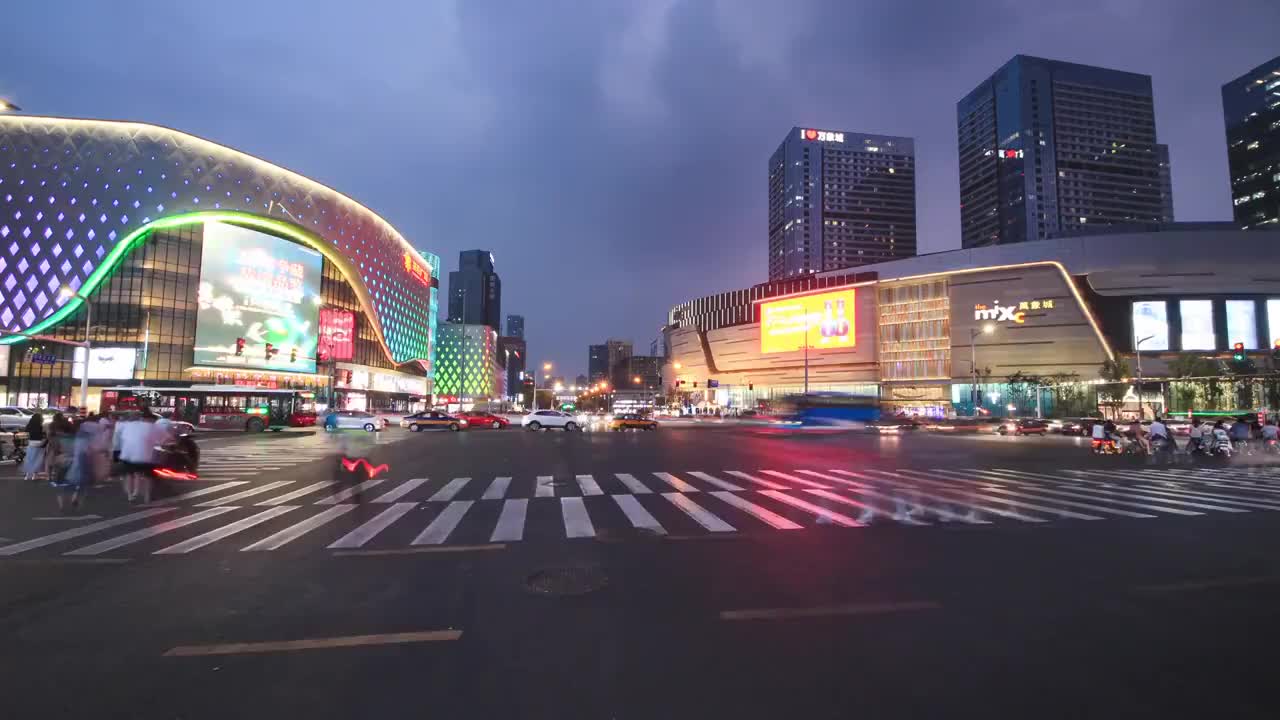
column 337, row 334
column 260, row 289
column 821, row 321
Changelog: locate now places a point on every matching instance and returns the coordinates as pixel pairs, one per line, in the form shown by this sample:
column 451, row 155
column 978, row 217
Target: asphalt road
column 701, row 573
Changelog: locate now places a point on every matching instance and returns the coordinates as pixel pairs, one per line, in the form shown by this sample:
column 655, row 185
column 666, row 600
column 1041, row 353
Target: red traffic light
column 239, row 346
column 1238, row 347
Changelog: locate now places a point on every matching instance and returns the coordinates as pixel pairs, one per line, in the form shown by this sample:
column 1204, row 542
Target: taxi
column 433, row 420
column 632, row 422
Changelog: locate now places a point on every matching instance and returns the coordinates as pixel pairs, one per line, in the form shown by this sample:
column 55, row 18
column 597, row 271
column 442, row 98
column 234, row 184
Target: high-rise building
column 597, row 363
column 1251, row 108
column 838, row 200
column 515, row 326
column 648, row 368
column 475, row 292
column 581, row 381
column 1050, row 148
column 512, row 354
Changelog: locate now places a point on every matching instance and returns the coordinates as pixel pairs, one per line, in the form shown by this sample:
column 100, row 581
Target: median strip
column 828, row 610
column 423, row 550
column 1208, row 584
column 315, row 643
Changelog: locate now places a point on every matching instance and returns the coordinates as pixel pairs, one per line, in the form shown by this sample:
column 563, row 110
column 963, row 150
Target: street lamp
column 66, row 294
column 546, row 367
column 6, row 106
column 1137, row 354
column 636, row 380
column 986, row 329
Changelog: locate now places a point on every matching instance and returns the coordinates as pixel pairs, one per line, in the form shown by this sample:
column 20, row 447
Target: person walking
column 33, row 465
column 138, row 438
column 58, row 446
column 83, row 472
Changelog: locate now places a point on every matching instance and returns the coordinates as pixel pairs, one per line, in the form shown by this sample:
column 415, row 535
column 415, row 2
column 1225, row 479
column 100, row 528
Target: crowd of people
column 1221, row 435
column 74, row 456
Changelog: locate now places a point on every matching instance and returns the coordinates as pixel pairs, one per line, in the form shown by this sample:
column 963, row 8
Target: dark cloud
column 611, row 154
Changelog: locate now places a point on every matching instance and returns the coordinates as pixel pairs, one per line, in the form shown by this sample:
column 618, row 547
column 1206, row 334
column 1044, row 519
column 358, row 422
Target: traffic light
column 293, row 355
column 239, row 346
column 751, row 386
column 271, row 351
column 1237, row 352
column 1275, row 351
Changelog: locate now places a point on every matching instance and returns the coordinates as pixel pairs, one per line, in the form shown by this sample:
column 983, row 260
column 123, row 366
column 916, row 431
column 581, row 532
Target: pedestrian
column 58, row 446
column 83, row 471
column 33, row 465
column 138, row 438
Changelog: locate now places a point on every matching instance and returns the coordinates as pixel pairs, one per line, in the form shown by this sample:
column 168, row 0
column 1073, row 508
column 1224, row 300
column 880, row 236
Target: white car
column 539, row 419
column 353, row 420
column 14, row 418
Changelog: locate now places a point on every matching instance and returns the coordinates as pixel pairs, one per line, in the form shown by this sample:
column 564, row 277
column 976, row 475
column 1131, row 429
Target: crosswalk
column 249, row 459
column 387, row 513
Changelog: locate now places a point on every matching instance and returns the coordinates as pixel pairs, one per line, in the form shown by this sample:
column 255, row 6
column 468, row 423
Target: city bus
column 830, row 409
column 219, row 407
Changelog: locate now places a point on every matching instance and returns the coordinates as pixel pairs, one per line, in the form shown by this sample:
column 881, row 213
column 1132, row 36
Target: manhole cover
column 567, row 580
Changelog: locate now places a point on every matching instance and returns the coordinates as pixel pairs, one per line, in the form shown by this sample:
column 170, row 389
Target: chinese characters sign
column 821, row 321
column 337, row 334
column 1014, row 312
column 420, row 271
column 821, row 135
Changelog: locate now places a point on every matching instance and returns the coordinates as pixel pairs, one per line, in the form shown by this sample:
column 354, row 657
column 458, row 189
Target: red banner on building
column 337, row 334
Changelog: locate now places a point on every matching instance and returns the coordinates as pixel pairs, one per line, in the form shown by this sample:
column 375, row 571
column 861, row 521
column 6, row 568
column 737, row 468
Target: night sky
column 612, row 154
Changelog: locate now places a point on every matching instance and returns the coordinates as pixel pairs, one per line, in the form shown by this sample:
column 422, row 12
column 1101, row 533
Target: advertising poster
column 823, row 321
column 1151, row 324
column 259, row 288
column 337, row 334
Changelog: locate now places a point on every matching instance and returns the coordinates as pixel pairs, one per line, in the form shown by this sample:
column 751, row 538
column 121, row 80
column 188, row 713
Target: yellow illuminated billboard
column 821, row 321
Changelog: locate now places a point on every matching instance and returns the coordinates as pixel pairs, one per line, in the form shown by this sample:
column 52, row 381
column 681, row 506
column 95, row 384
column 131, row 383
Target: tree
column 1022, row 391
column 1115, row 374
column 1068, row 395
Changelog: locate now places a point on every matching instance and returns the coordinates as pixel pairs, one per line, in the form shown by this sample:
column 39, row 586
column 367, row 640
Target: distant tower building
column 597, row 363
column 1050, row 148
column 475, row 291
column 1251, row 108
column 515, row 326
column 840, row 199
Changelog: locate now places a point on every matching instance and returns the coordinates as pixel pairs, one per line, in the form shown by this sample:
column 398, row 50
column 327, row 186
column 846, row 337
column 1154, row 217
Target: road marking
column 511, row 521
column 314, row 644
column 589, row 485
column 64, row 518
column 701, row 515
column 577, row 523
column 676, row 482
column 634, row 485
column 282, row 499
column 294, row 532
column 1208, row 584
column 950, row 494
column 759, row 481
column 421, row 550
column 1094, row 493
column 202, row 492
column 639, row 517
column 722, row 484
column 868, row 510
column 1001, row 493
column 796, row 480
column 829, row 610
column 1028, row 491
column 1193, row 494
column 405, row 488
column 834, row 479
column 451, row 488
column 81, row 531
column 148, row 532
column 371, row 527
column 247, row 493
column 545, row 488
column 350, row 492
column 228, row 530
column 497, row 489
column 818, row 510
column 775, row 520
column 438, row 531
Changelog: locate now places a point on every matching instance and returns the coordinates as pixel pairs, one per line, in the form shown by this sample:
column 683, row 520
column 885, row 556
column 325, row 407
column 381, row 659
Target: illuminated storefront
column 202, row 265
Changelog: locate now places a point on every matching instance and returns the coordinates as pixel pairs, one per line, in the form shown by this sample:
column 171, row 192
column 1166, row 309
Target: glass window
column 1273, row 320
column 1242, row 324
column 1151, row 319
column 1197, row 325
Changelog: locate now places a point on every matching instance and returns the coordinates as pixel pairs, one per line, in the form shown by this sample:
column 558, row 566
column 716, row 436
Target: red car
column 477, row 419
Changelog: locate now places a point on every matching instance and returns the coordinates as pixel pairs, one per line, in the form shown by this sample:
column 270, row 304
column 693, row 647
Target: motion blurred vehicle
column 1073, row 426
column 633, row 422
column 353, row 420
column 433, row 420
column 1023, row 426
column 539, row 419
column 480, row 419
column 829, row 410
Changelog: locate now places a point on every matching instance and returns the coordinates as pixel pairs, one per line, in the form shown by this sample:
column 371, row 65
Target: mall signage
column 821, row 321
column 419, row 271
column 1014, row 312
column 821, row 135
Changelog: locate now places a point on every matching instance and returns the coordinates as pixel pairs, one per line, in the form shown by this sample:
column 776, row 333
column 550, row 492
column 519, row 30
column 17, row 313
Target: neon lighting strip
column 280, row 227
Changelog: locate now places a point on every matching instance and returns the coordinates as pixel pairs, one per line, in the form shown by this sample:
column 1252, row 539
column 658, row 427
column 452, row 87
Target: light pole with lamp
column 546, row 368
column 974, row 394
column 6, row 106
column 67, row 293
column 1137, row 356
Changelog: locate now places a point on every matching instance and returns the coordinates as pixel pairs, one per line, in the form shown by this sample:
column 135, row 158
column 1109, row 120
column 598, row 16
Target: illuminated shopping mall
column 190, row 264
column 945, row 333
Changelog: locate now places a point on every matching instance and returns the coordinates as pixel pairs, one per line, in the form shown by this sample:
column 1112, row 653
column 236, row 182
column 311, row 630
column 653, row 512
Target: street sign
column 713, row 383
column 43, row 358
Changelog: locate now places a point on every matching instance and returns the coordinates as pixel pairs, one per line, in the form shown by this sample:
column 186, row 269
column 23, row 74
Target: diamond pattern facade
column 466, row 362
column 71, row 190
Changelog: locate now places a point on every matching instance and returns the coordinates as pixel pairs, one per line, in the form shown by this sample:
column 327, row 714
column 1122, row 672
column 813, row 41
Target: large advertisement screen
column 1151, row 324
column 821, row 321
column 1197, row 325
column 259, row 289
column 337, row 334
column 1242, row 323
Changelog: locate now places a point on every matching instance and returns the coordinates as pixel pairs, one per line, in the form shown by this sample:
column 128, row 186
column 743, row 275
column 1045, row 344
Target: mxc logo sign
column 1015, row 312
